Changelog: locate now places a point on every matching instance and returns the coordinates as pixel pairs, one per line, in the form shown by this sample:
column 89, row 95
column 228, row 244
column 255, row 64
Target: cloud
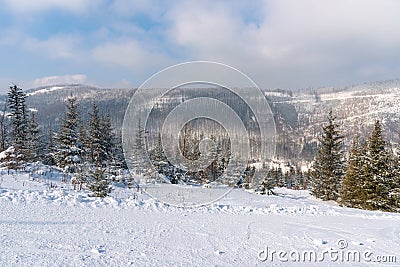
column 64, row 79
column 292, row 43
column 129, row 8
column 29, row 6
column 278, row 43
column 55, row 47
column 129, row 54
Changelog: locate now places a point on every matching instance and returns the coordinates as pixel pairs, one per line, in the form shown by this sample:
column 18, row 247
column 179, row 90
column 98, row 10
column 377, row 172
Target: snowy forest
column 87, row 150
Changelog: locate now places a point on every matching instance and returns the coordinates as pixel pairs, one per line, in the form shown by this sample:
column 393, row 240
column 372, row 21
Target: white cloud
column 152, row 8
column 278, row 43
column 129, row 54
column 64, row 79
column 292, row 43
column 33, row 6
column 55, row 47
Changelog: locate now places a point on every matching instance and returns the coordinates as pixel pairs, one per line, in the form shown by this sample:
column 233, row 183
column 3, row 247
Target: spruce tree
column 109, row 141
column 138, row 160
column 94, row 139
column 395, row 187
column 95, row 178
column 68, row 145
column 18, row 122
column 352, row 193
column 328, row 167
column 160, row 160
column 378, row 172
column 33, row 139
column 3, row 128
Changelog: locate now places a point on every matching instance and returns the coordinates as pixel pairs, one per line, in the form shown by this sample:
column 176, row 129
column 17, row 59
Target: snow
column 4, row 154
column 57, row 226
column 45, row 90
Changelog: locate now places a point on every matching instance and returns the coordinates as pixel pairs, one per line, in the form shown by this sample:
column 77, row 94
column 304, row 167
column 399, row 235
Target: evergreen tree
column 328, row 167
column 378, row 172
column 68, row 145
column 33, row 139
column 109, row 141
column 18, row 122
column 95, row 178
column 3, row 128
column 138, row 160
column 48, row 149
column 160, row 160
column 352, row 193
column 94, row 140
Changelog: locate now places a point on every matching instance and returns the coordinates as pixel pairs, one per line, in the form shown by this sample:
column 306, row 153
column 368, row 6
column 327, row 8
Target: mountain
column 50, row 101
column 299, row 115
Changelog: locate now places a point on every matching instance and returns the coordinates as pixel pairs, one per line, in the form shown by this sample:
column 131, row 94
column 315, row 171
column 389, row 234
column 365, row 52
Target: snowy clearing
column 61, row 227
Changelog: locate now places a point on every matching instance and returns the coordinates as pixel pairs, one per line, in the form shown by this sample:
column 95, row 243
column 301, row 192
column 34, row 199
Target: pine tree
column 3, row 128
column 139, row 154
column 68, row 145
column 378, row 172
column 160, row 160
column 395, row 188
column 18, row 123
column 49, row 148
column 94, row 141
column 352, row 193
column 33, row 139
column 95, row 178
column 109, row 141
column 328, row 167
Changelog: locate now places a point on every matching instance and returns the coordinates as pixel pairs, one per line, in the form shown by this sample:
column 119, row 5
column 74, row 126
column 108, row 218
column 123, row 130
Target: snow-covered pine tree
column 394, row 183
column 95, row 178
column 138, row 160
column 48, row 149
column 68, row 145
column 94, row 141
column 160, row 160
column 33, row 139
column 18, row 123
column 329, row 165
column 3, row 128
column 352, row 193
column 109, row 142
column 378, row 172
column 395, row 187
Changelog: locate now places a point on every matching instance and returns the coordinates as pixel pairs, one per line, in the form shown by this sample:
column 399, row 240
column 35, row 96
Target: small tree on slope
column 328, row 167
column 95, row 179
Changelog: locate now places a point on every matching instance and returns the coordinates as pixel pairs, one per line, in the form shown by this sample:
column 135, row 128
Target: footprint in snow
column 98, row 250
column 320, row 242
column 218, row 252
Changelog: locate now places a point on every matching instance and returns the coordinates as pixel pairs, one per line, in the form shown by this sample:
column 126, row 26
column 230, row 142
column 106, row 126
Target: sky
column 120, row 43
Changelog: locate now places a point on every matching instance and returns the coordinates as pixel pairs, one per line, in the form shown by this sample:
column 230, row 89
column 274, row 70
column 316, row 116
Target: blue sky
column 120, row 43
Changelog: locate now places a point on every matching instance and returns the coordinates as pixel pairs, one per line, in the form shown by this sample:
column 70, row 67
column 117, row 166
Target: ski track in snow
column 62, row 227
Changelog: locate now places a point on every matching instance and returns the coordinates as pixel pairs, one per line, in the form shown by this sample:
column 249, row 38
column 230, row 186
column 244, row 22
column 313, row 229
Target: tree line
column 368, row 178
column 88, row 150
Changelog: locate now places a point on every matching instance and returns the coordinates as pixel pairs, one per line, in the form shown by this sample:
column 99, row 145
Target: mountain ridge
column 298, row 114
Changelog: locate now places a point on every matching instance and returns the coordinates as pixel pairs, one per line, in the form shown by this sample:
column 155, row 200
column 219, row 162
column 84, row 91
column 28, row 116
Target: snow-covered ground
column 43, row 226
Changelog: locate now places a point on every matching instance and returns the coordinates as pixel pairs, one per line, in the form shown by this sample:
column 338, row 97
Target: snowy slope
column 40, row 226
